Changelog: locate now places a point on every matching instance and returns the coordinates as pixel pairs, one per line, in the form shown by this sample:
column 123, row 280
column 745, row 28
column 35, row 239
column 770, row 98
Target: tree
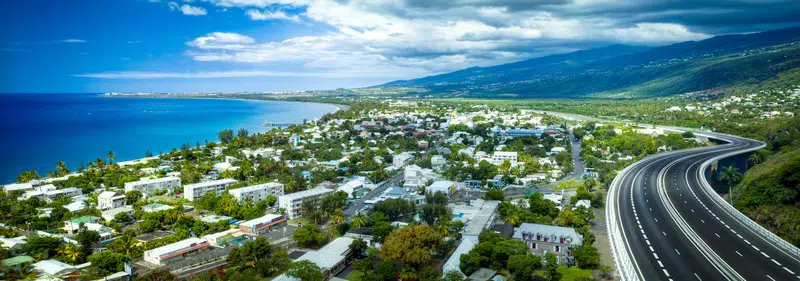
column 26, row 271
column 108, row 262
column 605, row 270
column 381, row 230
column 26, row 176
column 70, row 252
column 586, row 256
column 305, row 271
column 242, row 133
column 453, row 275
column 225, row 136
column 494, row 194
column 357, row 247
column 157, row 275
column 755, row 158
column 524, row 266
column 551, row 267
column 357, row 221
column 413, row 245
column 730, row 175
column 309, row 236
column 110, row 157
column 41, row 247
column 133, row 196
column 61, row 168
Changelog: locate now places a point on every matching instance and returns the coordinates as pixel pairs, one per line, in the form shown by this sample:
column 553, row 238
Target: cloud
column 187, row 9
column 71, row 41
column 191, row 75
column 257, row 3
column 133, row 42
column 268, row 15
column 125, row 58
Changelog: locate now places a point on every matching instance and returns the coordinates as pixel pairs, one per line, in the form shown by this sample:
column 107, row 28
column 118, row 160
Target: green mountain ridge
column 622, row 71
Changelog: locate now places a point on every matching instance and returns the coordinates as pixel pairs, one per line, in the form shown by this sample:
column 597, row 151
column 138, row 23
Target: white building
column 149, row 186
column 500, row 156
column 438, row 161
column 293, row 202
column 331, row 259
column 197, row 190
column 257, row 193
column 263, row 224
column 414, row 176
column 110, row 200
column 17, row 187
column 446, row 187
column 50, row 192
column 109, row 215
column 401, row 160
column 176, row 251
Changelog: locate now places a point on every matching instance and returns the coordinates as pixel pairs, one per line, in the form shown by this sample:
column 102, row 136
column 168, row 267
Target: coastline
column 190, row 96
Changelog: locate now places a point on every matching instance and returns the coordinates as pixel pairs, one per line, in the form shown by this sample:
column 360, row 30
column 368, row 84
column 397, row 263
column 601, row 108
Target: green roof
column 84, row 219
column 158, row 207
column 17, row 260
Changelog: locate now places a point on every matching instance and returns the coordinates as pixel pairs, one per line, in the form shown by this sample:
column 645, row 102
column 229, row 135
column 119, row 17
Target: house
column 13, row 243
column 214, row 219
column 110, row 200
column 224, row 238
column 109, row 215
column 331, row 259
column 292, row 203
column 543, row 239
column 50, row 192
column 256, row 193
column 438, row 161
column 75, row 224
column 262, row 225
column 501, row 156
column 149, row 186
column 351, row 186
column 56, row 269
column 556, row 198
column 523, row 133
column 414, row 176
column 401, row 160
column 17, row 187
column 477, row 215
column 557, row 149
column 454, row 262
column 446, row 187
column 176, row 251
column 197, row 190
column 584, row 203
column 147, row 237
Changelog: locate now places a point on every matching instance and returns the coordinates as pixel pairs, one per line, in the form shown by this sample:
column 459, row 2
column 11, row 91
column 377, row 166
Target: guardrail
column 776, row 240
column 625, row 269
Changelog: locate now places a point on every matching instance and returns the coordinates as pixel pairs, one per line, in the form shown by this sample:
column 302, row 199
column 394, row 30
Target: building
column 438, row 161
column 149, row 186
column 262, row 225
column 293, row 202
column 414, row 176
column 401, row 160
column 197, row 190
column 332, row 258
column 454, row 262
column 446, row 187
column 225, row 238
column 17, row 187
column 50, row 192
column 257, row 193
column 56, row 269
column 500, row 156
column 523, row 133
column 477, row 215
column 110, row 200
column 543, row 239
column 110, row 214
column 214, row 219
column 75, row 224
column 176, row 251
column 13, row 243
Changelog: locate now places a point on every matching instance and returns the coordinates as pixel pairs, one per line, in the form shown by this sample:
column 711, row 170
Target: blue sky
column 282, row 45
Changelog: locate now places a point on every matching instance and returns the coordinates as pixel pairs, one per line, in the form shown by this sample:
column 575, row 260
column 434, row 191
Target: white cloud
column 133, row 42
column 187, row 9
column 71, row 41
column 192, row 75
column 269, row 15
column 257, row 3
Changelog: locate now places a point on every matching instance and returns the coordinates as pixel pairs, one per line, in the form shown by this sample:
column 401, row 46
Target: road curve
column 666, row 223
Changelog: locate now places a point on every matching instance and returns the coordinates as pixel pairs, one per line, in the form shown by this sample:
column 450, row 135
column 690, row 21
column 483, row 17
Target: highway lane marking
column 655, row 255
column 667, row 273
column 655, row 219
column 740, row 237
column 716, row 234
column 660, row 264
column 665, row 234
column 748, row 242
column 754, row 247
column 773, row 279
column 651, row 249
column 776, row 262
column 698, row 277
column 740, row 254
column 784, row 268
column 692, row 210
column 764, row 254
column 702, row 221
column 679, row 253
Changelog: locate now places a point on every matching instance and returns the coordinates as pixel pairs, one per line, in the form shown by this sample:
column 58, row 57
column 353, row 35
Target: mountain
column 622, row 71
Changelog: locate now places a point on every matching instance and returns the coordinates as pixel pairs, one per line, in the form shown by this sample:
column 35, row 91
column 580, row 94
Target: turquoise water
column 40, row 129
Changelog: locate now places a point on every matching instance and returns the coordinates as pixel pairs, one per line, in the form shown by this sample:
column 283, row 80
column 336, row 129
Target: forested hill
column 621, row 71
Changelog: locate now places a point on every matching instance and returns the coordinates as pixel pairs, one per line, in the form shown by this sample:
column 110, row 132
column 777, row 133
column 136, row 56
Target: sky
column 183, row 46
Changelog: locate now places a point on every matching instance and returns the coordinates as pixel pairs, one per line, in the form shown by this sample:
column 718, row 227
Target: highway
column 666, row 223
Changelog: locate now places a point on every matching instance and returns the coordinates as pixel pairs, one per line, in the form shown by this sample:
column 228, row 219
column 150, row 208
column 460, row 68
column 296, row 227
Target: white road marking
column 740, row 254
column 679, row 253
column 784, row 268
column 776, row 262
column 773, row 279
column 716, row 234
column 698, row 277
column 667, row 273
column 665, row 234
column 660, row 264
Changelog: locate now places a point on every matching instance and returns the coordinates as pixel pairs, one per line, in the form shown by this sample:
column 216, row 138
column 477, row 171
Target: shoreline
column 154, row 96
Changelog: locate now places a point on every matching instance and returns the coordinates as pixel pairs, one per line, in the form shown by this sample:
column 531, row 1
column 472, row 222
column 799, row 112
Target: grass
column 373, row 252
column 570, row 273
column 355, row 276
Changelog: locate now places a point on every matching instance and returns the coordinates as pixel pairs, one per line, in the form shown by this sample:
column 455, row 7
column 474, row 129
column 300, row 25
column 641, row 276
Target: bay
column 40, row 129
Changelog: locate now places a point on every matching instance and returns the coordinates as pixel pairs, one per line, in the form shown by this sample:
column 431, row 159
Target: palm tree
column 337, row 218
column 755, row 158
column 358, row 221
column 110, row 157
column 26, row 271
column 730, row 175
column 512, row 219
column 128, row 243
column 70, row 252
column 61, row 168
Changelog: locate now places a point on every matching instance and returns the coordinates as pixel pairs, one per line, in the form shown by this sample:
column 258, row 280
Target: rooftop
column 210, row 183
column 169, row 248
column 147, row 237
column 306, row 193
column 558, row 231
column 265, row 219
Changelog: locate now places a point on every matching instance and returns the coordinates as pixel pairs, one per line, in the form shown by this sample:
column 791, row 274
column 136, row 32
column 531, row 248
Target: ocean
column 41, row 129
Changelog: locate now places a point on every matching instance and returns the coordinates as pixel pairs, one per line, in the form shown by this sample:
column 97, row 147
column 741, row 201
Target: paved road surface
column 666, row 223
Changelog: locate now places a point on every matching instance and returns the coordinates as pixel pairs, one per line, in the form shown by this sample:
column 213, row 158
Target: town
column 383, row 190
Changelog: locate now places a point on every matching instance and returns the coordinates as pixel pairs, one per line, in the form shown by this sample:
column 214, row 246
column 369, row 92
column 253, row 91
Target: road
column 358, row 204
column 666, row 223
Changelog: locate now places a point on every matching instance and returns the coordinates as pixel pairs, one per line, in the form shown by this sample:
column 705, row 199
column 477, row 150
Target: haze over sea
column 41, row 129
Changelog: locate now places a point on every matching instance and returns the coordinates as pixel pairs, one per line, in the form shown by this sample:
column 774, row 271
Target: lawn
column 354, row 276
column 570, row 273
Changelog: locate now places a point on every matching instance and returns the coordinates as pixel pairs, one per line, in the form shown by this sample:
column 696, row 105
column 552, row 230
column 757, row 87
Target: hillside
column 621, row 71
